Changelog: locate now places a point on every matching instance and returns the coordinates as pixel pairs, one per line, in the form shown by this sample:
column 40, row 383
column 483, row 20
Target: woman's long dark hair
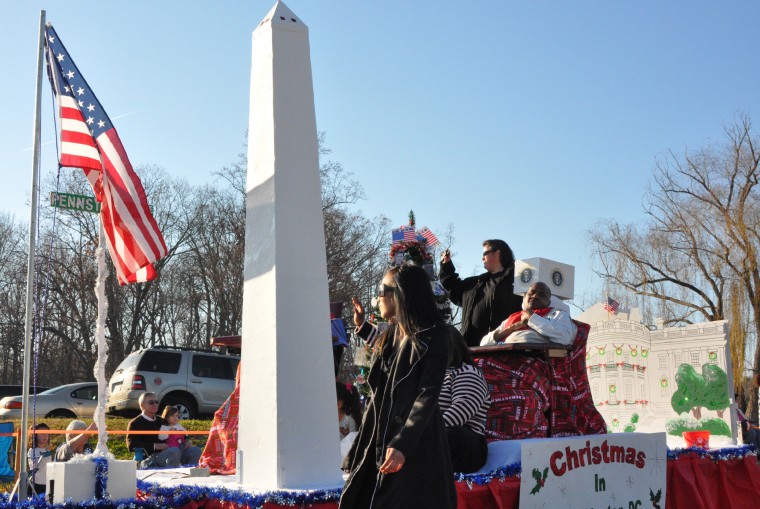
column 506, row 256
column 33, row 435
column 458, row 352
column 349, row 395
column 414, row 300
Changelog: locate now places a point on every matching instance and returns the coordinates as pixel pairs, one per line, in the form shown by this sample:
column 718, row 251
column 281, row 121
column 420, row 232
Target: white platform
column 75, row 480
column 174, row 477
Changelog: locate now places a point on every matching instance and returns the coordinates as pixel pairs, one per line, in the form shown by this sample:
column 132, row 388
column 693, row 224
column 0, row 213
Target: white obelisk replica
column 288, row 435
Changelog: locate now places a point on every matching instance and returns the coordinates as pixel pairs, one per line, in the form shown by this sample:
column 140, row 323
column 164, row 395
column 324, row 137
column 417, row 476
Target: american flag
column 611, row 305
column 431, row 239
column 89, row 141
column 404, row 233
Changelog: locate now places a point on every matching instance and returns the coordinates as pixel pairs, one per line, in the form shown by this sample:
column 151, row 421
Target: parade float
column 549, row 447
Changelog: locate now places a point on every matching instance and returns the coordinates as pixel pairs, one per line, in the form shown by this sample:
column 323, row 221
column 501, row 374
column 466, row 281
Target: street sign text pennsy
column 75, row 202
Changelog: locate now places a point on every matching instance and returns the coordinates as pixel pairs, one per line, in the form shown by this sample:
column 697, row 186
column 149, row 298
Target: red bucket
column 699, row 439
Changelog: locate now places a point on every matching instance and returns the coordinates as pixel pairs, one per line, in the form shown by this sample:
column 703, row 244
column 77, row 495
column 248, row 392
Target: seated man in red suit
column 537, row 322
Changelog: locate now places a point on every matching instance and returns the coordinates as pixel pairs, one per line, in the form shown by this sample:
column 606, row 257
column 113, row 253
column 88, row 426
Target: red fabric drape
column 701, row 483
column 219, row 455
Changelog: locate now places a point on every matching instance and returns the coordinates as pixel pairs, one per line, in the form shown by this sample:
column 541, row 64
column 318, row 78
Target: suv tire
column 61, row 414
column 186, row 405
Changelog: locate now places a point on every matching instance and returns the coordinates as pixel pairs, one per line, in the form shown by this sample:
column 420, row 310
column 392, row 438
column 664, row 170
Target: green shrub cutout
column 709, row 390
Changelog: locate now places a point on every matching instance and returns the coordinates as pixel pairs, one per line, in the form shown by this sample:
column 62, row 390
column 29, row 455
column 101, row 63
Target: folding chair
column 7, row 474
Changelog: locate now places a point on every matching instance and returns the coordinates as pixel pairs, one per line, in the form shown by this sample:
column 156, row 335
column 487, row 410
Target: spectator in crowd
column 74, row 444
column 38, row 457
column 171, row 420
column 349, row 413
column 486, row 300
column 159, row 454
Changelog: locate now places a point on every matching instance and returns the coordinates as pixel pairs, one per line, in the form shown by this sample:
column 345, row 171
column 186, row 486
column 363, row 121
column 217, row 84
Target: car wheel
column 61, row 413
column 185, row 405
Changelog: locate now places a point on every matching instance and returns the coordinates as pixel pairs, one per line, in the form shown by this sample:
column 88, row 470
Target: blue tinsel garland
column 500, row 473
column 101, row 478
column 180, row 496
column 727, row 453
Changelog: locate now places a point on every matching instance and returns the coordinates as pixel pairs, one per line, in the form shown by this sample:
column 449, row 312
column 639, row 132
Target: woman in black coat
column 400, row 459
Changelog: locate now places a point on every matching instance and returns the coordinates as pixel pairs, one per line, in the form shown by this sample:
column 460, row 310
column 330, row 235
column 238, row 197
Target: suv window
column 131, row 360
column 210, row 366
column 88, row 393
column 160, row 362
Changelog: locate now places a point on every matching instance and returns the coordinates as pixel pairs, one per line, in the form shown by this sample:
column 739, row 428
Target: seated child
column 38, row 457
column 171, row 416
column 349, row 414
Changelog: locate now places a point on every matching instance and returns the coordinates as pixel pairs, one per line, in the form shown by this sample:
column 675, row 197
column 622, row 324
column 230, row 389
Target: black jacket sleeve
column 453, row 283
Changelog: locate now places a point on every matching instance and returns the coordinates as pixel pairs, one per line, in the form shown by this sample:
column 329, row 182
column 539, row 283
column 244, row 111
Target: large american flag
column 89, row 141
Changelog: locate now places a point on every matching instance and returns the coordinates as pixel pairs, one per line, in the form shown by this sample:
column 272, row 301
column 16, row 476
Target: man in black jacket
column 488, row 299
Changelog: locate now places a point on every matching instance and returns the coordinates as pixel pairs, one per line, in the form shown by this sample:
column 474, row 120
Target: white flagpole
column 29, row 323
column 100, row 336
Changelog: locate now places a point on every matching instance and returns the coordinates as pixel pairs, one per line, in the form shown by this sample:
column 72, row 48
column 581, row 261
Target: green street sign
column 75, row 202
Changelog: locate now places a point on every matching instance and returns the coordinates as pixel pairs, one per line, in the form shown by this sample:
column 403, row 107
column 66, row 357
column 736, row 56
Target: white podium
column 75, row 481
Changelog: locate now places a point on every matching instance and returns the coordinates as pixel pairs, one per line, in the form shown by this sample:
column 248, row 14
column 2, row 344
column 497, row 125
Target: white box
column 76, row 481
column 559, row 276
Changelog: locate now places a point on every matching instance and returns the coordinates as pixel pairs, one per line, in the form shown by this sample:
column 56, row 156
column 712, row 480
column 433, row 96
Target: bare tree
column 200, row 287
column 13, row 261
column 700, row 241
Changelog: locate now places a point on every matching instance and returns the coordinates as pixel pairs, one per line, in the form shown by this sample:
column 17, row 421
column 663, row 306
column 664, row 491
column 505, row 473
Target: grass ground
column 116, row 443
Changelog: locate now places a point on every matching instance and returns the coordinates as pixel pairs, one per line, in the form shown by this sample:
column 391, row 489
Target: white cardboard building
column 632, row 369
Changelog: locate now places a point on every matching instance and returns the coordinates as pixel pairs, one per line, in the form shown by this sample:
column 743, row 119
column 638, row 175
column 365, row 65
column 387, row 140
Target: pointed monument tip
column 282, row 16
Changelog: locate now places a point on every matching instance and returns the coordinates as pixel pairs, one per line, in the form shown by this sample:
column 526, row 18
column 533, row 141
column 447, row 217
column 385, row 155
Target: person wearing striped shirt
column 464, row 399
column 464, row 402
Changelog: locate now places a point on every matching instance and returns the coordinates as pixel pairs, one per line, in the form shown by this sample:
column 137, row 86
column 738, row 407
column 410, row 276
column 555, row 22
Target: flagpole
column 607, row 304
column 29, row 323
column 100, row 336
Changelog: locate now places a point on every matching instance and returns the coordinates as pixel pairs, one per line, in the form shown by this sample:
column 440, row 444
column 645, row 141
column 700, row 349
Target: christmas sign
column 615, row 471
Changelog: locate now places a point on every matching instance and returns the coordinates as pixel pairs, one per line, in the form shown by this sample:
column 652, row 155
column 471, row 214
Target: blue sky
column 526, row 121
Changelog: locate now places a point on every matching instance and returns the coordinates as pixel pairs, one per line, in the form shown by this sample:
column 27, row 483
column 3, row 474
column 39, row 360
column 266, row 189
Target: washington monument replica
column 288, row 430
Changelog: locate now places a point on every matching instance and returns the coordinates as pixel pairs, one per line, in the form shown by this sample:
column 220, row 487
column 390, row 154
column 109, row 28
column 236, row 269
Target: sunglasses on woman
column 382, row 289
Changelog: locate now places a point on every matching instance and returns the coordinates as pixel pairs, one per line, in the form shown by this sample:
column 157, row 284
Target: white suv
column 197, row 382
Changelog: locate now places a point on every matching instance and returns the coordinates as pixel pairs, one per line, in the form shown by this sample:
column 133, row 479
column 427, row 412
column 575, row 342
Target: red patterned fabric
column 220, row 452
column 534, row 398
column 520, row 396
column 572, row 408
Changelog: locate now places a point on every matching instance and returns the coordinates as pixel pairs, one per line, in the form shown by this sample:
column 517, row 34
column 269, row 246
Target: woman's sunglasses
column 382, row 289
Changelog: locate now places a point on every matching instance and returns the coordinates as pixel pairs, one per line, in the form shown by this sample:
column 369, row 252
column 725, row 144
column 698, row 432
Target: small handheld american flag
column 403, row 234
column 432, row 240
